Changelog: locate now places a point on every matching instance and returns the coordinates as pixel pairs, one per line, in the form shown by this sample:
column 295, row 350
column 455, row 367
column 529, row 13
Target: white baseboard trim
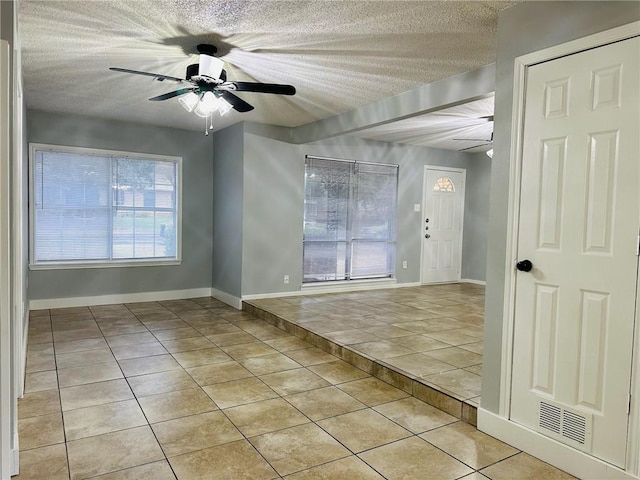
column 471, row 280
column 333, row 288
column 118, row 298
column 562, row 456
column 15, row 455
column 227, row 298
column 25, row 340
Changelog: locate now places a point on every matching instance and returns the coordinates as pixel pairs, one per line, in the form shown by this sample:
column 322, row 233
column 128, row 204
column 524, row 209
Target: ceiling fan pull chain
column 206, row 131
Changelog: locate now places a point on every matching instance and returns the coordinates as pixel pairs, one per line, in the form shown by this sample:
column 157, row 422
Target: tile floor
column 193, row 389
column 432, row 334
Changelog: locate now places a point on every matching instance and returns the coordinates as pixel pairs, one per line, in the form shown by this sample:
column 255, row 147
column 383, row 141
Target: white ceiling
column 338, row 54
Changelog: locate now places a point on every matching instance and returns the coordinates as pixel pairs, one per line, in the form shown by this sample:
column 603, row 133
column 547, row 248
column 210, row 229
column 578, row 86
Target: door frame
column 495, row 423
column 463, row 171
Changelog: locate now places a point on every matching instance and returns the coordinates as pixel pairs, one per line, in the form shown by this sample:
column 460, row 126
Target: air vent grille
column 565, row 424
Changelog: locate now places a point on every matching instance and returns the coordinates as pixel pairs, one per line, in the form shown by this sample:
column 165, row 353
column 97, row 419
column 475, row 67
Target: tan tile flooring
column 432, row 334
column 193, row 389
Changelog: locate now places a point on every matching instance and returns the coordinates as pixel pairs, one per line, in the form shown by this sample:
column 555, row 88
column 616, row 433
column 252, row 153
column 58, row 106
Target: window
column 443, row 184
column 93, row 207
column 349, row 220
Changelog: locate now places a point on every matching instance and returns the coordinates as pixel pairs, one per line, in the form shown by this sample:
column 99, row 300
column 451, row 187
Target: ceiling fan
column 485, row 141
column 206, row 89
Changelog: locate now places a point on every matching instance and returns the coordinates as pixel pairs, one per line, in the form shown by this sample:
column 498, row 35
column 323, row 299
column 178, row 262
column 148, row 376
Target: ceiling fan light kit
column 208, row 90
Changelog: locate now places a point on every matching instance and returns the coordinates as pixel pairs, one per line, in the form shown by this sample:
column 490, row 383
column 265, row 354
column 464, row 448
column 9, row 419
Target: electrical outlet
column 416, row 207
column 286, row 279
column 404, row 264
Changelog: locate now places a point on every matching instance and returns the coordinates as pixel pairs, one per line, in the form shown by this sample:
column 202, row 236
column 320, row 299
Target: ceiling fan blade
column 472, row 139
column 236, row 102
column 475, row 146
column 275, row 88
column 157, row 76
column 175, row 93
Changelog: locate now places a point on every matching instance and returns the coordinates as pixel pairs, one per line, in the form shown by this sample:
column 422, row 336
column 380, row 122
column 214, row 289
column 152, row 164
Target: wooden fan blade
column 236, row 102
column 475, row 146
column 175, row 93
column 275, row 88
column 157, row 76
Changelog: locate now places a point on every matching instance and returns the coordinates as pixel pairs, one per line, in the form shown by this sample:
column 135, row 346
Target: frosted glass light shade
column 490, row 153
column 223, row 106
column 189, row 101
column 207, row 105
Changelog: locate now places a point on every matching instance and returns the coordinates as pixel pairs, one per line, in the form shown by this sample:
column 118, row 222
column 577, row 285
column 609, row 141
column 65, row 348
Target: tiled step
column 417, row 387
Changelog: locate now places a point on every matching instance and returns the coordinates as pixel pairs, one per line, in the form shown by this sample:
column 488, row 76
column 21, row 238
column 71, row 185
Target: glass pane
column 372, row 259
column 375, row 204
column 324, row 261
column 444, row 184
column 144, row 234
column 123, row 234
column 166, row 235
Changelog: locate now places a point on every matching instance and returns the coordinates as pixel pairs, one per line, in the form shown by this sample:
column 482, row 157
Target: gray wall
column 227, row 186
column 522, row 29
column 197, row 170
column 274, row 199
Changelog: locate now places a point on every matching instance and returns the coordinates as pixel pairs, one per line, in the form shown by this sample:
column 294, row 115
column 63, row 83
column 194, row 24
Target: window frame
column 76, row 264
column 349, row 240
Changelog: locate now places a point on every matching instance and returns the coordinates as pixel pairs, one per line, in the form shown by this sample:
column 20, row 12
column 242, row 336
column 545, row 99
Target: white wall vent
column 565, row 424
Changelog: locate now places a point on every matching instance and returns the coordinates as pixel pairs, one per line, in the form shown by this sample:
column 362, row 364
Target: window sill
column 83, row 265
column 348, row 284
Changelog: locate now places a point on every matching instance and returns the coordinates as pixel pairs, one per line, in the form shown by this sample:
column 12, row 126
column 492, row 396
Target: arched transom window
column 444, row 184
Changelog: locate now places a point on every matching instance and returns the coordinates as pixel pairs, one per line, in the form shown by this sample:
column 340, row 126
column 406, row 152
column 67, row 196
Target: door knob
column 524, row 265
column 427, row 236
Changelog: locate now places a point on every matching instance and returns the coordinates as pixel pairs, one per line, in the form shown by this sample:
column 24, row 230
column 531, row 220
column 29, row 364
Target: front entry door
column 578, row 226
column 442, row 225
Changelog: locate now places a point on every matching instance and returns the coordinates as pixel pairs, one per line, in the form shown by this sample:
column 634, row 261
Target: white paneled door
column 578, row 227
column 442, row 225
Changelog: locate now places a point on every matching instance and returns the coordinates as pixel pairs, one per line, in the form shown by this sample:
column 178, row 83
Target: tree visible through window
column 349, row 220
column 96, row 206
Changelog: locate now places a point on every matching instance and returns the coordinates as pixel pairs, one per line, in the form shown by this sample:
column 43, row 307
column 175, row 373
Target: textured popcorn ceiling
column 338, row 54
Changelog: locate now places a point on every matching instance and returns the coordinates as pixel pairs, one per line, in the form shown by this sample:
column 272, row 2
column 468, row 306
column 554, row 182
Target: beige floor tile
column 237, row 461
column 176, row 333
column 118, row 450
column 197, row 358
column 265, row 416
column 92, row 394
column 217, row 329
column 463, row 442
column 167, row 324
column 239, row 392
column 80, row 345
column 187, row 344
column 40, row 431
column 227, row 339
column 39, row 403
column 149, row 349
column 219, row 372
column 414, row 458
column 123, row 328
column 298, row 448
column 294, row 381
column 79, row 334
column 99, row 372
column 324, row 402
column 162, row 382
column 338, row 372
column 287, row 344
column 38, row 381
column 477, row 347
column 351, row 468
column 145, row 365
column 82, row 359
column 62, row 324
column 372, row 391
column 311, row 356
column 381, row 349
column 454, row 337
column 40, row 348
column 130, row 339
column 363, row 430
column 40, row 362
column 43, row 337
column 455, row 356
column 196, row 432
column 151, row 471
column 475, row 369
column 181, row 403
column 248, row 350
column 524, row 467
column 419, row 343
column 266, row 364
column 100, row 419
column 460, row 382
column 415, row 415
column 474, row 476
column 419, row 364
column 42, row 463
